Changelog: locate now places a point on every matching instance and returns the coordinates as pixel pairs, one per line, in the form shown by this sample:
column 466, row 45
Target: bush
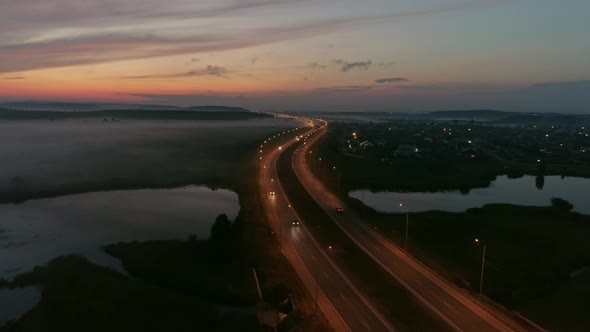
column 561, row 204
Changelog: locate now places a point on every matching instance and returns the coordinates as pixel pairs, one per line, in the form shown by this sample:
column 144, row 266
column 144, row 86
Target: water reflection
column 16, row 302
column 37, row 231
column 526, row 190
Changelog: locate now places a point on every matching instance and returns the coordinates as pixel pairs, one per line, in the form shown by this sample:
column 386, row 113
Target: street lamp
column 483, row 264
column 337, row 174
column 407, row 222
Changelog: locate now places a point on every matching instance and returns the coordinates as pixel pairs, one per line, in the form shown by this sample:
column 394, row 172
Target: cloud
column 253, row 60
column 344, row 89
column 391, row 80
column 37, row 34
column 210, row 70
column 316, row 66
column 346, row 66
column 13, row 78
column 388, row 64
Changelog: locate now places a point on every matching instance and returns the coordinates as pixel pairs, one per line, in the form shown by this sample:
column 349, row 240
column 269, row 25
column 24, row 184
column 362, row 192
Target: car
column 340, row 210
column 272, row 192
column 295, row 222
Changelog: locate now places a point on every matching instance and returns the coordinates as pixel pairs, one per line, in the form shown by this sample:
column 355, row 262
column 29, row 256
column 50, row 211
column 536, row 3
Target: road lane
column 343, row 305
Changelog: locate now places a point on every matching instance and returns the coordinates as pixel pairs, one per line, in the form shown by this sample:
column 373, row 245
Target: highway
column 455, row 306
column 342, row 304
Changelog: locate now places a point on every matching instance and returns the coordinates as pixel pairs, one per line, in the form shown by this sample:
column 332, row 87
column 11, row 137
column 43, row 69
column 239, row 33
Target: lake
column 38, row 230
column 521, row 191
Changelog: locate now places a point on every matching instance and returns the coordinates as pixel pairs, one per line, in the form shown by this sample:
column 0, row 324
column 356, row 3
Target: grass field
column 531, row 253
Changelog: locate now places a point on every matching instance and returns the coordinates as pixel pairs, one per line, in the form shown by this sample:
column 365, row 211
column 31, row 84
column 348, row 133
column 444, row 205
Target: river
column 527, row 190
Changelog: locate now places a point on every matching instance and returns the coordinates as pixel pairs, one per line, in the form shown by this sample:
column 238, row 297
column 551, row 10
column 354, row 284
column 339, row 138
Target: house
column 406, row 150
column 365, row 144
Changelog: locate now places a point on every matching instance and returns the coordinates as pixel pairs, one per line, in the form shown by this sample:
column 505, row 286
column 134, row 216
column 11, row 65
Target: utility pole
column 407, row 224
column 401, row 205
column 483, row 264
column 316, row 298
column 280, row 233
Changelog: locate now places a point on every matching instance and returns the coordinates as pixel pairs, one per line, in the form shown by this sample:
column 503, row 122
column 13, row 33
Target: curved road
column 344, row 307
column 459, row 309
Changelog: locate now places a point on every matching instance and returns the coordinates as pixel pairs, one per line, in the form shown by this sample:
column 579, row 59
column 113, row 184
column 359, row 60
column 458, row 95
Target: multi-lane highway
column 459, row 309
column 342, row 304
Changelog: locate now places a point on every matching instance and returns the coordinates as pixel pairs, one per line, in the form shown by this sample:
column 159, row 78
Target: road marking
column 448, row 305
column 367, row 325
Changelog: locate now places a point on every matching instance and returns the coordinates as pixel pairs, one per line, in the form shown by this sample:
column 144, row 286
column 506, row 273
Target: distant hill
column 218, row 109
column 481, row 115
column 78, row 107
column 113, row 115
column 508, row 117
column 547, row 118
column 89, row 107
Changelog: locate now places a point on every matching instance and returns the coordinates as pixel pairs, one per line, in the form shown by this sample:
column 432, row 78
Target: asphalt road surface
column 344, row 307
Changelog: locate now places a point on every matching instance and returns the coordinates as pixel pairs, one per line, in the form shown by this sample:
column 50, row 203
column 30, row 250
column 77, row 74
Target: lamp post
column 483, row 264
column 337, row 174
column 401, row 205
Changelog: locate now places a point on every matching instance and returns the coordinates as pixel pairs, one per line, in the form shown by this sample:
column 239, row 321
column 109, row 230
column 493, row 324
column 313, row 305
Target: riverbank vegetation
column 174, row 284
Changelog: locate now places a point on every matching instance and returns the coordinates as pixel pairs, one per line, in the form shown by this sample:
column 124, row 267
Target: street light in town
column 483, row 264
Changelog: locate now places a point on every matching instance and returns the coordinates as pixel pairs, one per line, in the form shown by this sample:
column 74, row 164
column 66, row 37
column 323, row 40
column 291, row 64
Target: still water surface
column 37, row 231
column 522, row 191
